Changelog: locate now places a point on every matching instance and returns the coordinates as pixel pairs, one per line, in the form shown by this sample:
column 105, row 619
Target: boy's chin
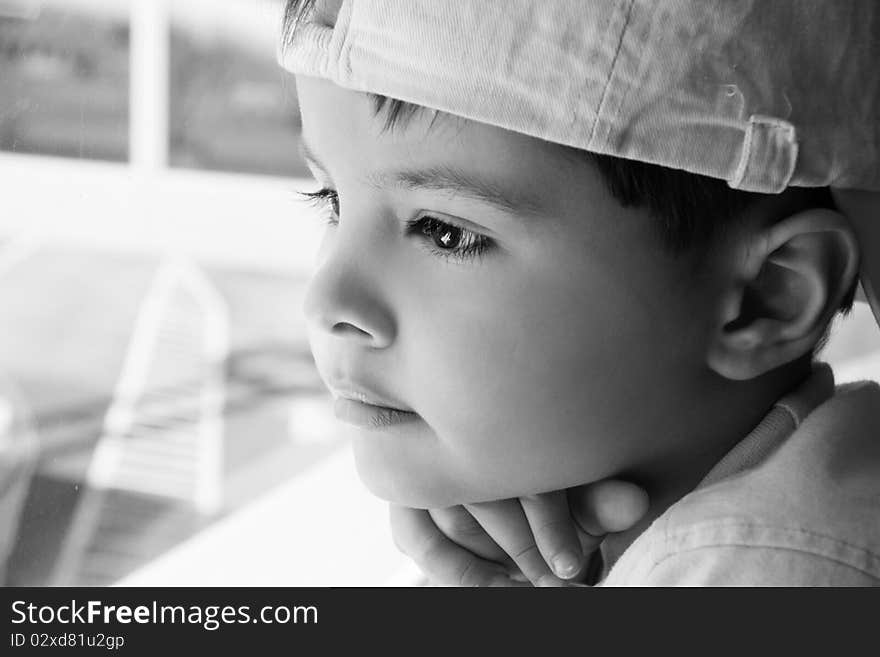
column 403, row 490
column 404, row 486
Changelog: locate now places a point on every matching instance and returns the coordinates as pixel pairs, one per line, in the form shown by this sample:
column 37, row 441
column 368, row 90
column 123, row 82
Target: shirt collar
column 782, row 420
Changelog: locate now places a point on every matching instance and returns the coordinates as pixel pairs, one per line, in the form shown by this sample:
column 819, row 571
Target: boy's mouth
column 370, row 416
column 368, row 410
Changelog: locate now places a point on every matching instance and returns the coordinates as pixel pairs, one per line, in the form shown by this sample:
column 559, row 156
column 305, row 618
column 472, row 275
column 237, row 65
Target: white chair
column 156, row 472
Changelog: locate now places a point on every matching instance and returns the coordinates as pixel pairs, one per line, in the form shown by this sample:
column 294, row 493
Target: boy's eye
column 326, row 199
column 444, row 236
column 448, row 240
column 445, row 239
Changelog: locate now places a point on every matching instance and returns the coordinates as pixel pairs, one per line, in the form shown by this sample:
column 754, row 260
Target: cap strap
column 769, row 156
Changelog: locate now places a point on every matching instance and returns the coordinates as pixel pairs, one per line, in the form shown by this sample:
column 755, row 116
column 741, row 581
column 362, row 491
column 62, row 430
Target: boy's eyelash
column 324, row 198
column 469, row 245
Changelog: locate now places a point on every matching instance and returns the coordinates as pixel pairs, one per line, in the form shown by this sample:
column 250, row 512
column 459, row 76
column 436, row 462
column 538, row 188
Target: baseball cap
column 764, row 95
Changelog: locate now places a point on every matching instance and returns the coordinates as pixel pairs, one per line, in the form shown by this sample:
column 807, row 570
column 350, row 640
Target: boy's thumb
column 608, row 506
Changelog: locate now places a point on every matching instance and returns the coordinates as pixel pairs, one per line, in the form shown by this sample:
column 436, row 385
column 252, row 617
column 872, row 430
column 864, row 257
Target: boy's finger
column 505, row 521
column 607, row 506
column 554, row 532
column 444, row 562
column 462, row 528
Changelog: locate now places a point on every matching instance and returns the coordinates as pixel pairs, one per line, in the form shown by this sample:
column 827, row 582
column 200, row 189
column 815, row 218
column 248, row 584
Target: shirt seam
column 758, row 525
column 705, row 543
column 752, row 546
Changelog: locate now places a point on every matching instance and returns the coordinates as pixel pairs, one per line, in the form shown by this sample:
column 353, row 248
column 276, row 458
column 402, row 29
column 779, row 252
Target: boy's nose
column 341, row 302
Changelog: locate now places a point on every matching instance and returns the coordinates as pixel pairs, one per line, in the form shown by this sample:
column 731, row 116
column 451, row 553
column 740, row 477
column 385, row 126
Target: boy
column 599, row 240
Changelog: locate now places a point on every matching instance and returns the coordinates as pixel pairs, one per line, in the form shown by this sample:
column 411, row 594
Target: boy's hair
column 692, row 210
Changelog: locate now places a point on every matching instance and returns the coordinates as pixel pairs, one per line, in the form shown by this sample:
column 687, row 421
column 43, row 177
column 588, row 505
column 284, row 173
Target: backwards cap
column 763, row 94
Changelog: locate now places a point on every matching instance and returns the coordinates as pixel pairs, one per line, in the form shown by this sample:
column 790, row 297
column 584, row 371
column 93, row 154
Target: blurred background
column 161, row 422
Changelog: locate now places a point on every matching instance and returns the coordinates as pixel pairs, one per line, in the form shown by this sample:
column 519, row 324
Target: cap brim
column 862, row 208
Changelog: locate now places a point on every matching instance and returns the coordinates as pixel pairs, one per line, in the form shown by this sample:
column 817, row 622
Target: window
column 161, row 420
column 65, row 77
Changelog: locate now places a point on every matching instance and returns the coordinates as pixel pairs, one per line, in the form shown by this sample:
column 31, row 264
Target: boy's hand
column 540, row 540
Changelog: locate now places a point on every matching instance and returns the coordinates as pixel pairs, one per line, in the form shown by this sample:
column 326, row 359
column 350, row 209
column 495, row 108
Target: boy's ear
column 786, row 288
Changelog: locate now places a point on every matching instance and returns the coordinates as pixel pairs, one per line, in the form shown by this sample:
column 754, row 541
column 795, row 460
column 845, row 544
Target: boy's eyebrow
column 460, row 183
column 452, row 180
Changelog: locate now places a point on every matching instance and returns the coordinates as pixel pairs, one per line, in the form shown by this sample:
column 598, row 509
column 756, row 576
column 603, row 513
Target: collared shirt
column 795, row 503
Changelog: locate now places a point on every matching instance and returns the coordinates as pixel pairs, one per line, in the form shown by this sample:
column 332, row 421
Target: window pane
column 155, row 378
column 232, row 108
column 64, row 78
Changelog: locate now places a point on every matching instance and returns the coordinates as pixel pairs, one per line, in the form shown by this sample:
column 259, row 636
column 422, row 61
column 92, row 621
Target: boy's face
column 566, row 351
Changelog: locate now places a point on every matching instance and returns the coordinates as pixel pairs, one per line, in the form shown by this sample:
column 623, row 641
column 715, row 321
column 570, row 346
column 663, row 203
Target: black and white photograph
column 409, row 294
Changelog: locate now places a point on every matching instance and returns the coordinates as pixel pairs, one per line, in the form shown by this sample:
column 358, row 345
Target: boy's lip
column 366, row 408
column 370, row 416
column 365, row 395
